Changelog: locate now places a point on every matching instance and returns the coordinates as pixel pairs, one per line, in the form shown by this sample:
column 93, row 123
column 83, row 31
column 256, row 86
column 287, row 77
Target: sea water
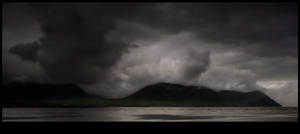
column 157, row 114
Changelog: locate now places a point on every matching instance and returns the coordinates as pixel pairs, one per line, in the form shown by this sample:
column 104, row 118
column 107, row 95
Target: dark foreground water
column 218, row 114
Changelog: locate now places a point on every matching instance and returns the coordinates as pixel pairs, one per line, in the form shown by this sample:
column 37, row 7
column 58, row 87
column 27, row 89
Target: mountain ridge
column 159, row 94
column 176, row 92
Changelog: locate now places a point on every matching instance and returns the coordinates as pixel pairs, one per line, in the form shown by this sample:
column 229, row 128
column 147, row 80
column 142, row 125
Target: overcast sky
column 115, row 49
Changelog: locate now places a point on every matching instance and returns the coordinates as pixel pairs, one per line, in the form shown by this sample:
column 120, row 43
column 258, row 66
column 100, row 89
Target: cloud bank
column 113, row 50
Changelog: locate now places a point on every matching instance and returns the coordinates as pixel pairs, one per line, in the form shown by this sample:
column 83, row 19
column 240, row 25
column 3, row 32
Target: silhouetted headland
column 160, row 94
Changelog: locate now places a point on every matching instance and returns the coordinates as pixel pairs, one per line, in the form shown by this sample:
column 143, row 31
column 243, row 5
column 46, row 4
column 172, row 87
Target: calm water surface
column 223, row 114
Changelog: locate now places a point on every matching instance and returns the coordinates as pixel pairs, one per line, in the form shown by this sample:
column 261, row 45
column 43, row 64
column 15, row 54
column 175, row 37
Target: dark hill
column 201, row 96
column 161, row 94
column 36, row 91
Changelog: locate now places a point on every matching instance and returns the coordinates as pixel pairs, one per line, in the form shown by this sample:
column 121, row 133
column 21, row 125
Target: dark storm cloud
column 26, row 51
column 270, row 26
column 73, row 48
column 123, row 47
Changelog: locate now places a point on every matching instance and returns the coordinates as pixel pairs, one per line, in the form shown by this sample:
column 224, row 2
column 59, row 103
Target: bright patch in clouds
column 272, row 84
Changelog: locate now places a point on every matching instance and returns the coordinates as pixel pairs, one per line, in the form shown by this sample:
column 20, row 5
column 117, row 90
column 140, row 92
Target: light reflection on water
column 227, row 114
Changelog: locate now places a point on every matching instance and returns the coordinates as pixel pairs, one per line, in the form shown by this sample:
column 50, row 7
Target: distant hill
column 36, row 91
column 28, row 94
column 201, row 96
column 161, row 94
